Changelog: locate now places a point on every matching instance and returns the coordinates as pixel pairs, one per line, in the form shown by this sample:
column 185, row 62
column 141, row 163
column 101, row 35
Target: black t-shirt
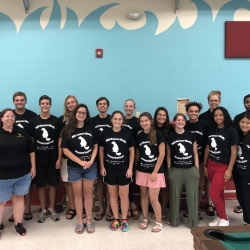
column 182, row 153
column 236, row 120
column 23, row 120
column 220, row 142
column 62, row 124
column 81, row 143
column 116, row 152
column 133, row 125
column 101, row 124
column 242, row 163
column 160, row 129
column 149, row 153
column 15, row 149
column 206, row 116
column 45, row 133
column 199, row 129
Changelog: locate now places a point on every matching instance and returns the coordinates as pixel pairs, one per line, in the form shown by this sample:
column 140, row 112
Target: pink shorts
column 143, row 179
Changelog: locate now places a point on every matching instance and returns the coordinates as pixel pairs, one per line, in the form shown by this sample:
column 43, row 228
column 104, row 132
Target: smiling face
column 19, row 102
column 161, row 118
column 145, row 123
column 193, row 113
column 8, row 119
column 219, row 118
column 247, row 103
column 244, row 125
column 71, row 104
column 214, row 102
column 117, row 120
column 180, row 122
column 81, row 114
column 45, row 105
column 102, row 106
column 129, row 107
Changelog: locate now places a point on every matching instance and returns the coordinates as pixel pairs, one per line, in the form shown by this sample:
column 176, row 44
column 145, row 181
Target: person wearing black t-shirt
column 131, row 123
column 219, row 159
column 199, row 128
column 116, row 155
column 23, row 116
column 44, row 129
column 241, row 172
column 102, row 122
column 150, row 177
column 70, row 103
column 80, row 145
column 17, row 167
column 162, row 124
column 183, row 170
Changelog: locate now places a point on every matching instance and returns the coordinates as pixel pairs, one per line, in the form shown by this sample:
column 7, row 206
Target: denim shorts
column 18, row 186
column 78, row 173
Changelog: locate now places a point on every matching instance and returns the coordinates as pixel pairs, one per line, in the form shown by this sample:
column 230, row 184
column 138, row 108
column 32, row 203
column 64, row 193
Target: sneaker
column 115, row 224
column 214, row 223
column 20, row 230
column 125, row 226
column 42, row 216
column 53, row 215
column 224, row 223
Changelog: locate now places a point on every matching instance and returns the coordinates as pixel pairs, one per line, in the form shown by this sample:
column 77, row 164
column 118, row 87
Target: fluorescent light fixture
column 134, row 15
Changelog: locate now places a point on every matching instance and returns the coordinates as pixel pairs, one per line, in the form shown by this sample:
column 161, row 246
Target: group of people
column 114, row 149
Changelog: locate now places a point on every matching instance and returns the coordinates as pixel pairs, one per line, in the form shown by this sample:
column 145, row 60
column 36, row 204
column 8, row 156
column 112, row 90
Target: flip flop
column 89, row 226
column 27, row 216
column 238, row 210
column 79, row 226
column 99, row 216
column 210, row 213
column 72, row 215
column 109, row 217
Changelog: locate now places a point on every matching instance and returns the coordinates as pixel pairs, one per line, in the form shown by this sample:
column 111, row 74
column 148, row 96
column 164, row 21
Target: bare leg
column 2, row 205
column 28, row 198
column 108, row 207
column 52, row 197
column 101, row 191
column 70, row 194
column 18, row 207
column 113, row 191
column 78, row 193
column 154, row 200
column 123, row 193
column 41, row 194
column 144, row 201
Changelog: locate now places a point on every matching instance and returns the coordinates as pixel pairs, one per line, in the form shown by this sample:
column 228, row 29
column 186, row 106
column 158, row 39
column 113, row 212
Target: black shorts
column 47, row 174
column 120, row 180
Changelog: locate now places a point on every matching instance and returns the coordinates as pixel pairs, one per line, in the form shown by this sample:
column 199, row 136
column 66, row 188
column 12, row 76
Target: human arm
column 228, row 173
column 101, row 160
column 59, row 160
column 33, row 165
column 131, row 162
column 168, row 156
column 205, row 160
column 158, row 164
column 196, row 157
column 93, row 156
column 73, row 157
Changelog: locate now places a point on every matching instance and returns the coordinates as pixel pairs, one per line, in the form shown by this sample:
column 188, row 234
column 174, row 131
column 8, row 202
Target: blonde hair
column 65, row 110
column 214, row 92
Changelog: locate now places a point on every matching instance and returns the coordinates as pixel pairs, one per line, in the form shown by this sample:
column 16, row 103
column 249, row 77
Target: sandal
column 11, row 219
column 238, row 210
column 210, row 213
column 170, row 224
column 98, row 216
column 135, row 214
column 89, row 226
column 1, row 226
column 157, row 228
column 83, row 214
column 143, row 224
column 79, row 226
column 129, row 214
column 72, row 215
column 109, row 217
column 186, row 215
column 27, row 216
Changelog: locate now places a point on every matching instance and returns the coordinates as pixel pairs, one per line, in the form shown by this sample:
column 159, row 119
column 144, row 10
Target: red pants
column 216, row 173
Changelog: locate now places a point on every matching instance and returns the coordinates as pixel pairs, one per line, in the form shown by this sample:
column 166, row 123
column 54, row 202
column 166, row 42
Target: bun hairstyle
column 152, row 133
column 214, row 92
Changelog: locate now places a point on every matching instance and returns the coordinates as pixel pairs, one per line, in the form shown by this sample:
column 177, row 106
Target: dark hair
column 227, row 118
column 166, row 124
column 2, row 113
column 244, row 138
column 118, row 112
column 152, row 133
column 45, row 97
column 245, row 97
column 70, row 128
column 19, row 93
column 180, row 114
column 196, row 104
column 101, row 99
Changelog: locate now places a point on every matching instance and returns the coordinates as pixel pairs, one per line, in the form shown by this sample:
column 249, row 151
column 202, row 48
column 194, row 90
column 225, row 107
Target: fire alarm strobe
column 99, row 53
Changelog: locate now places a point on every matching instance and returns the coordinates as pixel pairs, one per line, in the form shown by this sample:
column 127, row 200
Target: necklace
column 219, row 132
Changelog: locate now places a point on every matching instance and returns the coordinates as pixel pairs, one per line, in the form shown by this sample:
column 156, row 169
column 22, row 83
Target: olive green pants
column 188, row 178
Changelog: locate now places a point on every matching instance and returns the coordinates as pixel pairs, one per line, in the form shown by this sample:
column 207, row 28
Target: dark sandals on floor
column 98, row 216
column 210, row 213
column 109, row 217
column 238, row 210
column 71, row 213
column 11, row 219
column 135, row 213
column 27, row 216
column 129, row 215
column 186, row 215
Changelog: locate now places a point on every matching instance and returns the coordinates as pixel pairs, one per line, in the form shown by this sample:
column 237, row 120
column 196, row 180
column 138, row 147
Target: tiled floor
column 60, row 235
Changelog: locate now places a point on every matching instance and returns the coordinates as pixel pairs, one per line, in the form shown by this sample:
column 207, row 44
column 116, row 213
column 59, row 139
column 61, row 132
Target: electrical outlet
column 137, row 114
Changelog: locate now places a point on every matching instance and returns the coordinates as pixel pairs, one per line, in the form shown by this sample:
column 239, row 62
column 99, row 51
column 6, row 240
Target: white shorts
column 64, row 170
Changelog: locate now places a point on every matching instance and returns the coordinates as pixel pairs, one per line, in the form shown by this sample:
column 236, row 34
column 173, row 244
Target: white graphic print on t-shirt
column 45, row 134
column 182, row 149
column 83, row 142
column 115, row 148
column 148, row 152
column 213, row 143
column 20, row 125
column 239, row 152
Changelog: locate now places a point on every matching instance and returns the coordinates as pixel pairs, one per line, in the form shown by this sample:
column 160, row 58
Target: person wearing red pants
column 219, row 159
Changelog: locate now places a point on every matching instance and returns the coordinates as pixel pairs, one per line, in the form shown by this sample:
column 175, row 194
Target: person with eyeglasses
column 17, row 167
column 80, row 145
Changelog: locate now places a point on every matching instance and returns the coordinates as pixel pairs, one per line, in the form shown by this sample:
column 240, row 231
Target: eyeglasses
column 81, row 113
column 9, row 116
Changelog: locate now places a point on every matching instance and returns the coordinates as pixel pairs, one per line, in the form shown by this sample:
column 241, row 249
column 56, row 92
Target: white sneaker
column 224, row 223
column 214, row 223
